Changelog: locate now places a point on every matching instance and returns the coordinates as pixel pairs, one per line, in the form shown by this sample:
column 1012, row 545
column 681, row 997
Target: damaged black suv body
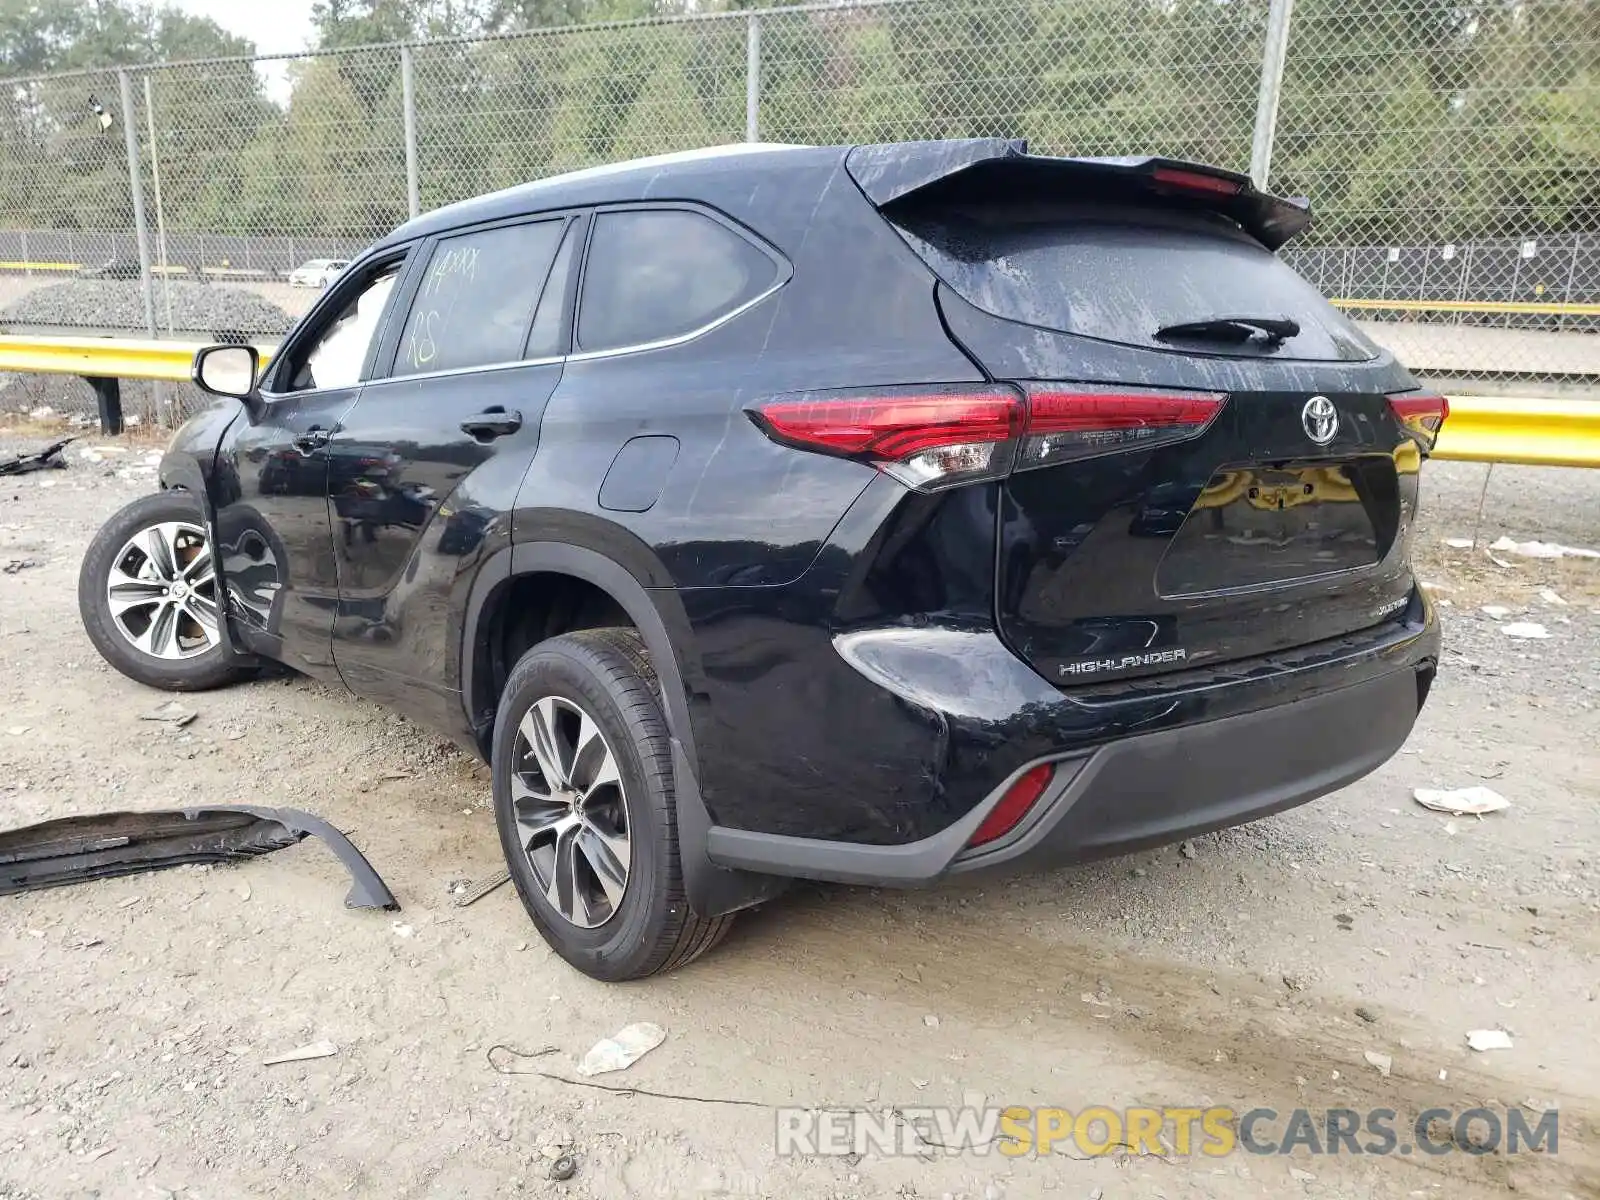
column 855, row 513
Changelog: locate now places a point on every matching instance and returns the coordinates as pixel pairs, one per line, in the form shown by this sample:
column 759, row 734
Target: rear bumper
column 1344, row 717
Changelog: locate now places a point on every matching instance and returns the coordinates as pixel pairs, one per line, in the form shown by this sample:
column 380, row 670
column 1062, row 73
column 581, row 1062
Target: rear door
column 1213, row 468
column 427, row 464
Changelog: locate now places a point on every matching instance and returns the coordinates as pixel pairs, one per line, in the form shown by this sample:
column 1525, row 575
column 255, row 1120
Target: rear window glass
column 1122, row 275
column 476, row 300
column 663, row 273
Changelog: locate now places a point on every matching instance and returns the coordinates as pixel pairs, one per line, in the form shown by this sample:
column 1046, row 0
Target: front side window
column 476, row 301
column 336, row 354
column 653, row 275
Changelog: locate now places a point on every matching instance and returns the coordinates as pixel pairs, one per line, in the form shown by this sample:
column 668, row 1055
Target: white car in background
column 318, row 273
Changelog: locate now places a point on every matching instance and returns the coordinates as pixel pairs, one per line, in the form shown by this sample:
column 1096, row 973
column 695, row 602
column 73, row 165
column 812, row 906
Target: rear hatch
column 1213, row 467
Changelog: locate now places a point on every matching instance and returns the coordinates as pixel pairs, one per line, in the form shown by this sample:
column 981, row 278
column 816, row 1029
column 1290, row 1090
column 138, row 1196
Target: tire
column 572, row 831
column 158, row 640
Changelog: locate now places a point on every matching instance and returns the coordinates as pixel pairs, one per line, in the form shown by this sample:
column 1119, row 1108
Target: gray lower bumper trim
column 1141, row 791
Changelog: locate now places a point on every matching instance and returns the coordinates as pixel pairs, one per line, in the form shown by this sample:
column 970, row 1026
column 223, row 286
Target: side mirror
column 227, row 371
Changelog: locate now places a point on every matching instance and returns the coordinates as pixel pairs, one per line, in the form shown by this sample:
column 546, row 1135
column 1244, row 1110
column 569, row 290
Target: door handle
column 314, row 438
column 492, row 423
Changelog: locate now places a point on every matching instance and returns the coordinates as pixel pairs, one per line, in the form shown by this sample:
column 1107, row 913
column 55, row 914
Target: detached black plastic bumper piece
column 76, row 849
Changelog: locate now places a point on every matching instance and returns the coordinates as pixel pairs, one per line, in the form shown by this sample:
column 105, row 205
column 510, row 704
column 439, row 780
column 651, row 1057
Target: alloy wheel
column 162, row 591
column 571, row 811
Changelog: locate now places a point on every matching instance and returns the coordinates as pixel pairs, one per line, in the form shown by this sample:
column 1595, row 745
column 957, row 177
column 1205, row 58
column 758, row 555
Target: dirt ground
column 1257, row 969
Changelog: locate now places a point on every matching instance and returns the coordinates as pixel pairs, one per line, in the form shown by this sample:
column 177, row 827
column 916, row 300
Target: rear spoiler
column 987, row 168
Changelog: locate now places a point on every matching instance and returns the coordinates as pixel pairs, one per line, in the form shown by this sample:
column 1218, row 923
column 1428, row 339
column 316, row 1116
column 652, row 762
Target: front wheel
column 583, row 797
column 149, row 598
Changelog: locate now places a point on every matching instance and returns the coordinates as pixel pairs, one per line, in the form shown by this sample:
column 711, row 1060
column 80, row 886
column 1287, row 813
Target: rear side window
column 1120, row 275
column 477, row 298
column 652, row 275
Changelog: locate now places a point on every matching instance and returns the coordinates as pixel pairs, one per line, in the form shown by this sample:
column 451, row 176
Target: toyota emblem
column 1321, row 420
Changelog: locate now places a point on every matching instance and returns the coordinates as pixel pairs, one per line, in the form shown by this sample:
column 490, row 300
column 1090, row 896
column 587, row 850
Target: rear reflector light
column 1422, row 413
column 1196, row 182
column 1067, row 422
column 1014, row 805
column 926, row 437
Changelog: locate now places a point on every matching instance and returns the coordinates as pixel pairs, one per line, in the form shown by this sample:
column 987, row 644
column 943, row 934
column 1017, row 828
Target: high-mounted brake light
column 926, row 437
column 1422, row 413
column 1196, row 181
column 1072, row 421
column 1014, row 805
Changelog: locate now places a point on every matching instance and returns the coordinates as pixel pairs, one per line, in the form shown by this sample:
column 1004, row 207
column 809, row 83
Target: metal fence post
column 130, row 137
column 1273, row 54
column 408, row 100
column 161, row 212
column 752, row 78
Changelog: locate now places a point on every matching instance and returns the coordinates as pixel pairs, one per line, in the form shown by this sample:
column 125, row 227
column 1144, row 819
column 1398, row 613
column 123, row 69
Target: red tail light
column 1067, row 422
column 1014, row 805
column 938, row 436
column 926, row 437
column 1422, row 413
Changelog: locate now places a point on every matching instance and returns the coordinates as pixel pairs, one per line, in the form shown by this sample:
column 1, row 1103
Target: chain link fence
column 1451, row 150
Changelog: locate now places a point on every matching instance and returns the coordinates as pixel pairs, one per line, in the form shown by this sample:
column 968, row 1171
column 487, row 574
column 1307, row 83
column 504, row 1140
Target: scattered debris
column 303, row 1054
column 564, row 1168
column 1381, row 1061
column 1551, row 596
column 18, row 730
column 1542, row 549
column 931, row 1021
column 76, row 849
column 1366, row 1014
column 47, row 459
column 14, row 566
column 1299, row 1176
column 621, row 1051
column 1461, row 802
column 402, row 930
column 1186, row 848
column 172, row 713
column 1530, row 630
column 1459, row 543
column 1497, row 611
column 1488, row 1039
column 478, row 891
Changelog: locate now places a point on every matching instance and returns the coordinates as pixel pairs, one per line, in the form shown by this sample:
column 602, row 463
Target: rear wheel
column 149, row 598
column 584, row 804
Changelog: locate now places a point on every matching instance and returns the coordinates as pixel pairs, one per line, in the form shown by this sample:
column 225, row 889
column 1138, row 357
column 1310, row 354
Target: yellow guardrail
column 1532, row 431
column 109, row 358
column 1549, row 308
column 1536, row 431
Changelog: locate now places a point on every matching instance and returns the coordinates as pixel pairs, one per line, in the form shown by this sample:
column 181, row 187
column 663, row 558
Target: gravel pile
column 119, row 304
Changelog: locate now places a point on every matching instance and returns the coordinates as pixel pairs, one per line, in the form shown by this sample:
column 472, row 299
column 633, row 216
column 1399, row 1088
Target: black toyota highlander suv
column 854, row 513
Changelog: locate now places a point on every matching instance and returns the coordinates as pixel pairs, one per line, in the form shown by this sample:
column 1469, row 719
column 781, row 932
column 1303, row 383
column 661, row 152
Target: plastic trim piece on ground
column 76, row 849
